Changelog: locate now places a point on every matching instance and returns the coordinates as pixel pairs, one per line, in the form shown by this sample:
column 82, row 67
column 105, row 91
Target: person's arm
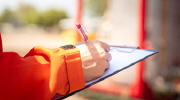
column 40, row 74
column 45, row 72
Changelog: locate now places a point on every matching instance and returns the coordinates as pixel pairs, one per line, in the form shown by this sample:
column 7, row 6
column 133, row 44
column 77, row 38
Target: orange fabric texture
column 40, row 74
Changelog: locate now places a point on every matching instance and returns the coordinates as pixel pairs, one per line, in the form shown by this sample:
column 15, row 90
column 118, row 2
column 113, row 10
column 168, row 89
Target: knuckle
column 104, row 55
column 109, row 57
column 99, row 43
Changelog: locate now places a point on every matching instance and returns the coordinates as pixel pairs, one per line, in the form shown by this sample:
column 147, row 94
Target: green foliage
column 27, row 14
column 8, row 16
column 96, row 7
column 51, row 17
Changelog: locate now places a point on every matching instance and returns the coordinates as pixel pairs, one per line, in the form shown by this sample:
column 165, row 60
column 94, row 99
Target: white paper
column 123, row 58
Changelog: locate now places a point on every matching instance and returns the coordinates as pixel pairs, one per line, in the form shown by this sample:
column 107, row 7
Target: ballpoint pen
column 82, row 31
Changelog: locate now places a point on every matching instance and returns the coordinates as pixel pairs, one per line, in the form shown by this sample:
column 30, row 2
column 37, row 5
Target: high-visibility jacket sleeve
column 40, row 74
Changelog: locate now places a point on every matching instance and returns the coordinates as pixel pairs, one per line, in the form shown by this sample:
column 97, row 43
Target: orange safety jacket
column 40, row 74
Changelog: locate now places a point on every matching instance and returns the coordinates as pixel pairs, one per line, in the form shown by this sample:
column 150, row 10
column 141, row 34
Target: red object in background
column 78, row 17
column 139, row 88
column 1, row 49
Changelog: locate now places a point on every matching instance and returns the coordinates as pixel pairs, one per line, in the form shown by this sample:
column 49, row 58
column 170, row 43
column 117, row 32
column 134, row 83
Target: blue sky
column 41, row 5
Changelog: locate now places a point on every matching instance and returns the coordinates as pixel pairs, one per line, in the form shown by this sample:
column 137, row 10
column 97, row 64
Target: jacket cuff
column 74, row 70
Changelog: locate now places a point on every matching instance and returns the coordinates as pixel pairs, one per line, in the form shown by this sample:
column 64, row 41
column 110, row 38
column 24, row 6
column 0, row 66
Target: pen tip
column 78, row 25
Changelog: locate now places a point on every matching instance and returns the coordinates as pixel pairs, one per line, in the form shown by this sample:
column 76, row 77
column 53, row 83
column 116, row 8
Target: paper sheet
column 122, row 59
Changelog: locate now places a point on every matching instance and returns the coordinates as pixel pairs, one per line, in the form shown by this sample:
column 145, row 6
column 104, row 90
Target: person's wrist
column 74, row 66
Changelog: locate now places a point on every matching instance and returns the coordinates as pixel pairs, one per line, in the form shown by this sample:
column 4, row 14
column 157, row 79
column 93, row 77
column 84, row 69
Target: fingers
column 107, row 64
column 105, row 46
column 108, row 56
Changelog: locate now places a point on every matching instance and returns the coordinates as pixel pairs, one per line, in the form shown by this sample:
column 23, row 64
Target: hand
column 95, row 58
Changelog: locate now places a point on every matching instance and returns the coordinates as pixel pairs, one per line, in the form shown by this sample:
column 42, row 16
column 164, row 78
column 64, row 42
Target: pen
column 82, row 31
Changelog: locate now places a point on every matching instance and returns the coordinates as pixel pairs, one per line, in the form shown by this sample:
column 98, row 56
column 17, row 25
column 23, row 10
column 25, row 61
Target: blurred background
column 149, row 24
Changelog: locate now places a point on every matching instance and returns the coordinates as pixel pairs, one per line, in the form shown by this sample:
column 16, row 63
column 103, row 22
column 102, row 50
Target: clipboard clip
column 132, row 48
